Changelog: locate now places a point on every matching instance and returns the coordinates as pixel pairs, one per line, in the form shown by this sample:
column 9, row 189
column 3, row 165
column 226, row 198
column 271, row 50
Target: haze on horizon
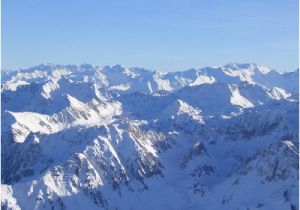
column 158, row 35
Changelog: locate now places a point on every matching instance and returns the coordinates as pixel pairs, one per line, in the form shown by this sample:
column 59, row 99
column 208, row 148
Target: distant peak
column 47, row 64
column 247, row 66
column 86, row 66
column 118, row 66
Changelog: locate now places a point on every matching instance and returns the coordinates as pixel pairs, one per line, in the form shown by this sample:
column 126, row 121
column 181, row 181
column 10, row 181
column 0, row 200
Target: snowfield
column 89, row 137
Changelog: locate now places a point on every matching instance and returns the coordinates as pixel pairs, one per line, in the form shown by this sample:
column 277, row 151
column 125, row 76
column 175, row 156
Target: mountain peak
column 252, row 67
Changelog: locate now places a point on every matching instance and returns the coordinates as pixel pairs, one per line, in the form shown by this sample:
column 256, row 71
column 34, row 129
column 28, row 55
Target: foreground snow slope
column 88, row 137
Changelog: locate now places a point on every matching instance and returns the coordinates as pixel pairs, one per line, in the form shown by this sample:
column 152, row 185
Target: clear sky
column 164, row 35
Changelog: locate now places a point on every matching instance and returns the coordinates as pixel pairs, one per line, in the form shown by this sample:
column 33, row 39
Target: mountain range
column 90, row 137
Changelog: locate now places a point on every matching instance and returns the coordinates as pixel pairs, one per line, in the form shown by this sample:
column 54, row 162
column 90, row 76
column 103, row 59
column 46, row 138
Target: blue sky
column 158, row 34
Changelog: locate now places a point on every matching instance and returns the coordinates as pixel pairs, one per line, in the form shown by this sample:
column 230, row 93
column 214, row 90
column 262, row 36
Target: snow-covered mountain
column 89, row 137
